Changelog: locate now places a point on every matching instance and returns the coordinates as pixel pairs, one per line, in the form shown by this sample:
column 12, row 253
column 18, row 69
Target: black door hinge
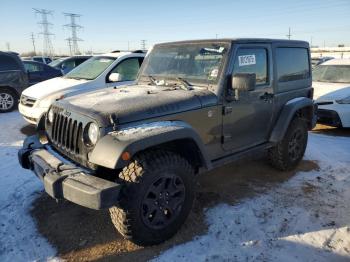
column 227, row 110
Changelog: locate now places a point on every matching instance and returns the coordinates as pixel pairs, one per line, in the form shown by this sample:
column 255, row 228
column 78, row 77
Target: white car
column 108, row 70
column 331, row 83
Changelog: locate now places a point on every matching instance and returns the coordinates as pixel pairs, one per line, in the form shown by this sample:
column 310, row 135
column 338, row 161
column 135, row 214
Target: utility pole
column 289, row 35
column 143, row 45
column 33, row 41
column 47, row 46
column 8, row 46
column 311, row 42
column 73, row 40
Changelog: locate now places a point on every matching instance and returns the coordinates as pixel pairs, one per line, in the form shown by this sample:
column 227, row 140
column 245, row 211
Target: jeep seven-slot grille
column 67, row 133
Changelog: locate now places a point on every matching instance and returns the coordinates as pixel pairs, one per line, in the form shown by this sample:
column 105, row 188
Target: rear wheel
column 8, row 100
column 157, row 198
column 287, row 153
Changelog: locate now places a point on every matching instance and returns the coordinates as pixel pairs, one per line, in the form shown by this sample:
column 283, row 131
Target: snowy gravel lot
column 305, row 218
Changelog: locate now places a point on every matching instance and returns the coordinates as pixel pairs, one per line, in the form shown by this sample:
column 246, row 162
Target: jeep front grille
column 67, row 133
column 27, row 101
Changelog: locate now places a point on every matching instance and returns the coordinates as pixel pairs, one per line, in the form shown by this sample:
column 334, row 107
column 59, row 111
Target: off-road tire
column 138, row 177
column 280, row 156
column 8, row 92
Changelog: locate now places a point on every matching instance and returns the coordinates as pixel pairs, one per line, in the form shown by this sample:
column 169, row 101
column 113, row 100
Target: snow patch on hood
column 51, row 86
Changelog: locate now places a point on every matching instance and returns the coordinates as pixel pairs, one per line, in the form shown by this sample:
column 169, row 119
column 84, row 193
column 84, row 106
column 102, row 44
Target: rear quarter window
column 8, row 63
column 292, row 64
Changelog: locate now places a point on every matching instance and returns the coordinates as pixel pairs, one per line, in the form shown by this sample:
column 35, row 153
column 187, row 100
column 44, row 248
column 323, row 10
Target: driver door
column 247, row 117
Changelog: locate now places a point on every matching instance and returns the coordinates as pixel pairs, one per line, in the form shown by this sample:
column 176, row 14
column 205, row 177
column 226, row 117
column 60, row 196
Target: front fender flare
column 108, row 150
column 287, row 114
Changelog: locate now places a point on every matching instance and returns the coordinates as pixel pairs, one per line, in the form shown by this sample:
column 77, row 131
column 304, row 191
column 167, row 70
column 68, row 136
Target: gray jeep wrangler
column 196, row 105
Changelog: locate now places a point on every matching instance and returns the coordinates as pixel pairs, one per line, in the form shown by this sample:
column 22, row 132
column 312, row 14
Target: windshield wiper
column 151, row 78
column 187, row 85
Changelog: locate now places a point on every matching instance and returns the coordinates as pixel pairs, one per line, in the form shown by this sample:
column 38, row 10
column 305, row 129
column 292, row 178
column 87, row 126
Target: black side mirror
column 243, row 81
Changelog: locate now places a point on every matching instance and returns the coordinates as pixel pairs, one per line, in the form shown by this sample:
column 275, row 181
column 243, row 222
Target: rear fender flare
column 288, row 112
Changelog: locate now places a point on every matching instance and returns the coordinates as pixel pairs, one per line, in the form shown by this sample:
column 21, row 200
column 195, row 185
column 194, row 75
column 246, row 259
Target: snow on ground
column 304, row 219
column 19, row 239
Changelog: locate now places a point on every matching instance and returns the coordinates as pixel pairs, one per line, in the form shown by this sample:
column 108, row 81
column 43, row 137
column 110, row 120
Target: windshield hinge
column 227, row 110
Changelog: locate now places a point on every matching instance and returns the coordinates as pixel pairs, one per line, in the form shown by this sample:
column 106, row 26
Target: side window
column 292, row 64
column 254, row 61
column 79, row 61
column 32, row 67
column 38, row 59
column 68, row 65
column 8, row 63
column 128, row 69
column 48, row 60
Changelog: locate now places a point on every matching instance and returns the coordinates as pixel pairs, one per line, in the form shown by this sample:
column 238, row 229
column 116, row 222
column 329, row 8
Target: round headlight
column 50, row 115
column 92, row 133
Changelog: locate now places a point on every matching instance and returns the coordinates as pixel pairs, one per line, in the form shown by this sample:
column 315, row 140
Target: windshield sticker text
column 245, row 60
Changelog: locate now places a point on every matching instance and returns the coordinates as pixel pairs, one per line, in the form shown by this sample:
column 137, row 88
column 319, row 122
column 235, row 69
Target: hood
column 133, row 103
column 51, row 86
column 330, row 91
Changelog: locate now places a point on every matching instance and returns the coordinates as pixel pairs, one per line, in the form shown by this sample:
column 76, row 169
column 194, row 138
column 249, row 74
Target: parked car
column 42, row 59
column 315, row 61
column 13, row 80
column 108, row 70
column 195, row 106
column 38, row 72
column 69, row 63
column 331, row 81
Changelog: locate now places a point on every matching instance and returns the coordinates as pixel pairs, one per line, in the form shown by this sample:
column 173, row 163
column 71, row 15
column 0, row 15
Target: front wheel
column 287, row 154
column 8, row 101
column 157, row 197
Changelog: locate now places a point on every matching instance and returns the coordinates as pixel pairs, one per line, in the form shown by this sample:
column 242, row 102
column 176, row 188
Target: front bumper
column 328, row 117
column 64, row 180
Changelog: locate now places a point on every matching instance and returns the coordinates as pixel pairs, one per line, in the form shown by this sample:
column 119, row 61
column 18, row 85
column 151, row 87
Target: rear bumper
column 64, row 180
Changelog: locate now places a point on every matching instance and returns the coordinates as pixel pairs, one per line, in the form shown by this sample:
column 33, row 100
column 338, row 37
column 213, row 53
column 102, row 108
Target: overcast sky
column 112, row 25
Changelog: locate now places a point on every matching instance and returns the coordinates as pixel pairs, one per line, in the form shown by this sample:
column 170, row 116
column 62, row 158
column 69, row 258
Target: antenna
column 47, row 47
column 73, row 40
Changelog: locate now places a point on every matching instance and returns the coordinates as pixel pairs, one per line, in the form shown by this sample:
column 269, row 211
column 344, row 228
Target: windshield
column 56, row 62
column 91, row 68
column 195, row 63
column 332, row 73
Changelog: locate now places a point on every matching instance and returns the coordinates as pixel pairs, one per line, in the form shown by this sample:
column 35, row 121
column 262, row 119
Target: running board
column 238, row 155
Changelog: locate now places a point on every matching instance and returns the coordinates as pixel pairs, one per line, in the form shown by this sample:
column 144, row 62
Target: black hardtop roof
column 241, row 41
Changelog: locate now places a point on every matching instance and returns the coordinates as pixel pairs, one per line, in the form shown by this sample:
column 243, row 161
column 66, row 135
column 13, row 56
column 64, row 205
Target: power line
column 73, row 40
column 33, row 41
column 47, row 46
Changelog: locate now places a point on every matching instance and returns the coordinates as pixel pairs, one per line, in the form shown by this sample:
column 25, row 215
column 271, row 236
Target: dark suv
column 196, row 105
column 13, row 80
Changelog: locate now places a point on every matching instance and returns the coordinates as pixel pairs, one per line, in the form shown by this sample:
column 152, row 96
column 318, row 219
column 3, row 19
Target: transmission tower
column 74, row 27
column 143, row 44
column 47, row 46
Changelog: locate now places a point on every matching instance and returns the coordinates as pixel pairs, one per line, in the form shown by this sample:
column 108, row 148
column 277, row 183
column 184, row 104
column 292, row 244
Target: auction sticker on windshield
column 245, row 60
